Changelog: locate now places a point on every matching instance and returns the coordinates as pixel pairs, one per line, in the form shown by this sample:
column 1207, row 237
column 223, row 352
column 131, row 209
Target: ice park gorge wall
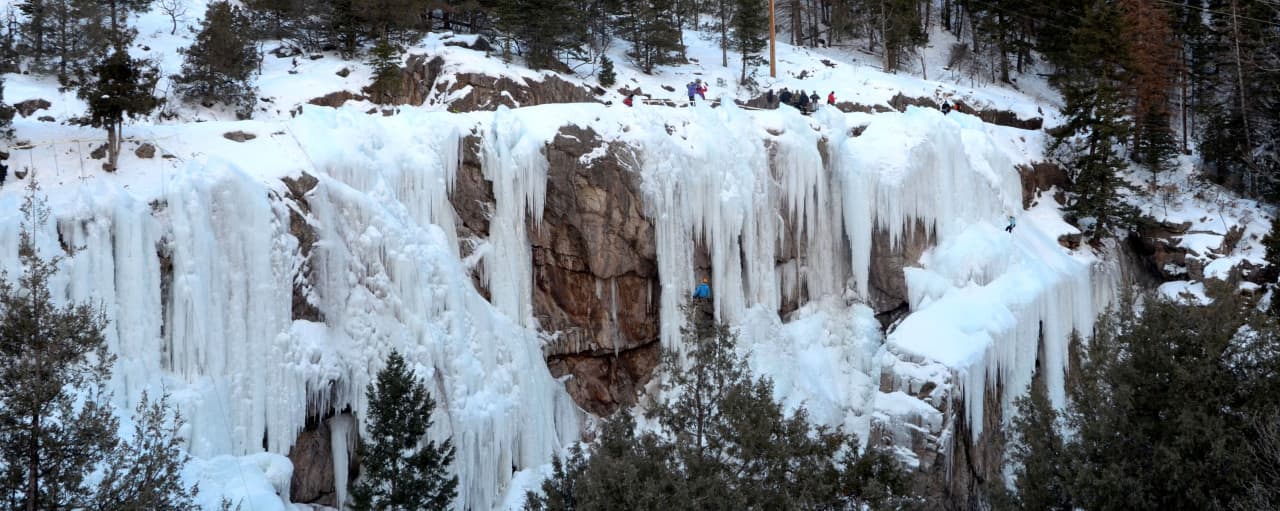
column 530, row 264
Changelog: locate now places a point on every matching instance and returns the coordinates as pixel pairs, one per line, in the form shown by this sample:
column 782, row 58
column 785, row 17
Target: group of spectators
column 803, row 101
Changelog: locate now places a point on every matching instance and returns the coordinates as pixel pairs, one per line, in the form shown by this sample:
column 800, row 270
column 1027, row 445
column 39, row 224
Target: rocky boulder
column 31, row 106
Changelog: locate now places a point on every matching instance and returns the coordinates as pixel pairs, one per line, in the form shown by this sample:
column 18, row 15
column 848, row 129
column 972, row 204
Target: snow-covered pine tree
column 400, row 468
column 543, row 37
column 221, row 61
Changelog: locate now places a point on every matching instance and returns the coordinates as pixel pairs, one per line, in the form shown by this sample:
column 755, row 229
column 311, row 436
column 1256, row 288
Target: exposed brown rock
column 1157, row 244
column 300, row 228
column 30, row 106
column 145, row 151
column 239, row 136
column 99, row 152
column 1039, row 177
column 596, row 272
column 312, row 457
column 888, row 282
column 422, row 72
column 336, row 99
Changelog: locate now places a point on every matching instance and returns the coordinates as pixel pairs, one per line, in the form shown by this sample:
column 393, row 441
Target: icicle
column 342, row 445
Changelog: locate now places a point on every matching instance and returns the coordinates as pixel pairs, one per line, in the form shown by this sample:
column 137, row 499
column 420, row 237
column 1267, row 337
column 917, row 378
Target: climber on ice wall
column 1012, row 223
column 703, row 291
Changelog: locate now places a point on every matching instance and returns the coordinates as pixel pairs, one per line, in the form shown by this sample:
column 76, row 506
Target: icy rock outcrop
column 428, row 79
column 594, row 266
column 273, row 302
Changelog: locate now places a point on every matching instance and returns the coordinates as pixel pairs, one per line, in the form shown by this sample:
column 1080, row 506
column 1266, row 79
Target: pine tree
column 1097, row 124
column 1038, row 454
column 146, row 472
column 750, row 32
column 1182, row 385
column 400, row 469
column 55, row 421
column 399, row 20
column 724, row 444
column 607, row 75
column 543, row 38
column 6, row 115
column 385, row 61
column 220, row 63
column 121, row 88
column 651, row 27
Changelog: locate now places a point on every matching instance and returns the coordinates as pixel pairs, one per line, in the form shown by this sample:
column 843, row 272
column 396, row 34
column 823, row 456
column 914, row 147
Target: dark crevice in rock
column 299, row 210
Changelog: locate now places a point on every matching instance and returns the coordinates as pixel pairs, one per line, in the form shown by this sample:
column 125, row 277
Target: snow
column 1184, row 291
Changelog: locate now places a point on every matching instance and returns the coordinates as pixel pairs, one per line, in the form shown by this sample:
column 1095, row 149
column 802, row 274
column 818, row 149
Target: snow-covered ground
column 388, row 274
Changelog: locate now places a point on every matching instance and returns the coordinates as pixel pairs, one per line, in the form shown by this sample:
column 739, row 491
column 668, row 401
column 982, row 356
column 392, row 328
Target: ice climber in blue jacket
column 703, row 290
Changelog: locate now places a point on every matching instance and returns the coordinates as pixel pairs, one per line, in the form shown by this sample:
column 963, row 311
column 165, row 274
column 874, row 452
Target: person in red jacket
column 629, row 101
column 831, row 98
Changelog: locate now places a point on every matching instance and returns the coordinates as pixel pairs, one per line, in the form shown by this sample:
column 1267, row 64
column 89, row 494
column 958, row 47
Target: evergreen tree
column 543, row 38
column 607, row 75
column 402, row 470
column 51, row 358
column 6, row 115
column 385, row 61
column 121, row 88
column 399, row 20
column 1097, row 124
column 56, row 423
column 146, row 472
column 1238, row 103
column 1182, row 385
column 1038, row 454
column 750, row 32
column 724, row 445
column 652, row 28
column 220, row 63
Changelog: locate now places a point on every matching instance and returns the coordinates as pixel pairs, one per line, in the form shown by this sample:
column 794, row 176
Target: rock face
column 888, row 282
column 595, row 267
column 423, row 83
column 313, row 466
column 596, row 274
column 312, row 457
column 1041, row 177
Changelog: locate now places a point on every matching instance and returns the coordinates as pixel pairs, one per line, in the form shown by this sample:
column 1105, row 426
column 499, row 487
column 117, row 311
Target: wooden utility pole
column 773, row 44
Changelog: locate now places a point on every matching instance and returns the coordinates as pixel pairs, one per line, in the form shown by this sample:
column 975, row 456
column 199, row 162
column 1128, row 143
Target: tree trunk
column 1244, row 110
column 724, row 34
column 113, row 145
column 33, row 464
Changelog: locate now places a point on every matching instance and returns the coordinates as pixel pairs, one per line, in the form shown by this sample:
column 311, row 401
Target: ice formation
column 199, row 278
